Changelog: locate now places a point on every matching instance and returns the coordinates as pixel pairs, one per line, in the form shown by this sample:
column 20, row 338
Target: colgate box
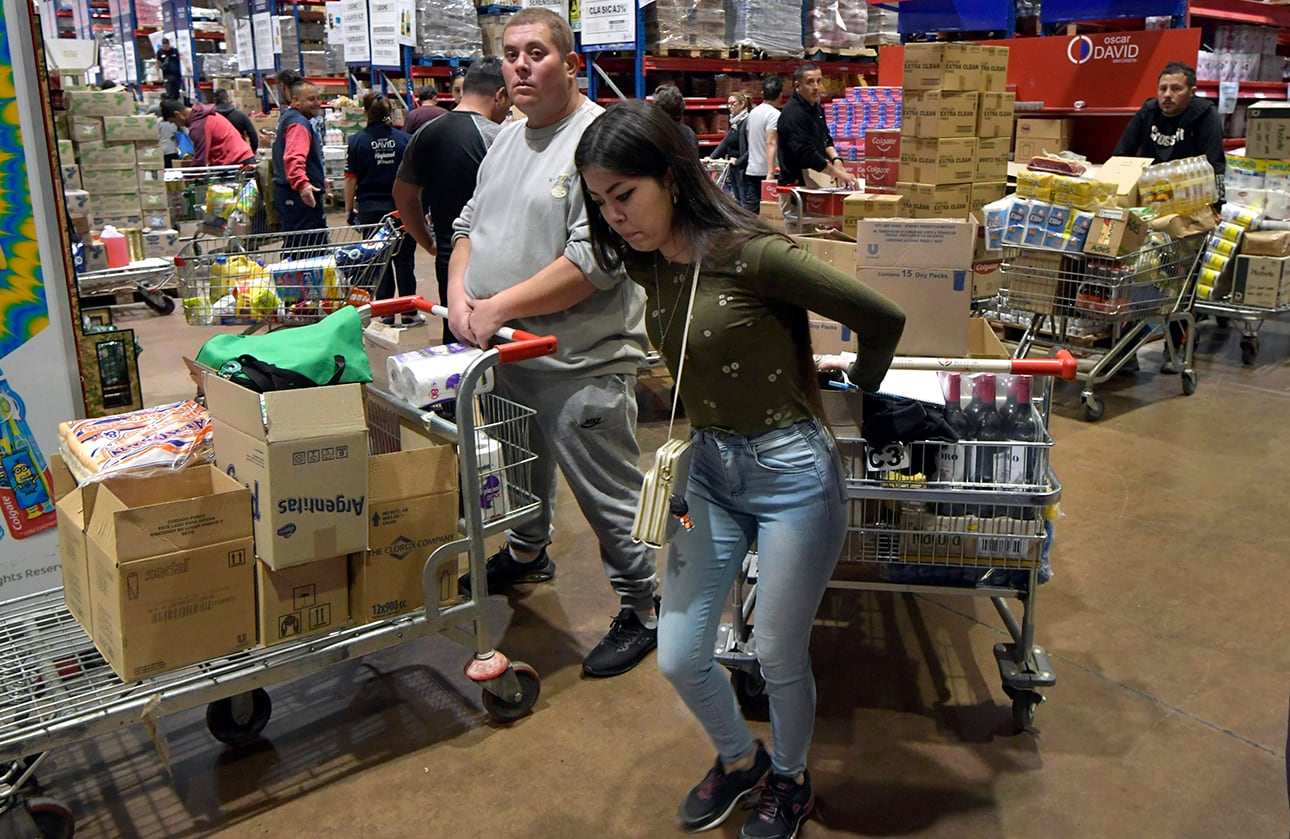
column 303, row 454
column 882, row 144
column 882, row 174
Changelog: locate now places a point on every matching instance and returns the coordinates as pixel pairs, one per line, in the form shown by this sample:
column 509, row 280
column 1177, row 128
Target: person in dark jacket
column 804, row 139
column 372, row 159
column 735, row 145
column 224, row 107
column 299, row 176
column 171, row 70
column 1174, row 125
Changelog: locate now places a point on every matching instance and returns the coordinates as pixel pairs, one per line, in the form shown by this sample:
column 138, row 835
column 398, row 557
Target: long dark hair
column 636, row 139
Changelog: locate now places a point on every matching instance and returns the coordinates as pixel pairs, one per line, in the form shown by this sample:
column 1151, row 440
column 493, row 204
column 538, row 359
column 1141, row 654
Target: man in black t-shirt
column 171, row 72
column 441, row 162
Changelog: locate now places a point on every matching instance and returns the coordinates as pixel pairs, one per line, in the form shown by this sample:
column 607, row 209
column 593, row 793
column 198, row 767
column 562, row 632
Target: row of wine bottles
column 977, row 417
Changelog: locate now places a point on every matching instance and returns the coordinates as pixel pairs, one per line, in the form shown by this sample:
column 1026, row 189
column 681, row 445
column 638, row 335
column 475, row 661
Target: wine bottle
column 985, row 425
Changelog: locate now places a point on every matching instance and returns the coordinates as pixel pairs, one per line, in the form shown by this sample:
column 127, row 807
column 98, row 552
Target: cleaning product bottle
column 26, row 497
column 118, row 252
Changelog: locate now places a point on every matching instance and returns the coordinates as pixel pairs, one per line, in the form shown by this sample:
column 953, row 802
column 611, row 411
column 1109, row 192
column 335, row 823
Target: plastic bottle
column 118, row 252
column 26, row 499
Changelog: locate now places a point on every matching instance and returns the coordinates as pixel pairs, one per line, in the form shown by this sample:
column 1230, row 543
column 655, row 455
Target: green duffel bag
column 328, row 352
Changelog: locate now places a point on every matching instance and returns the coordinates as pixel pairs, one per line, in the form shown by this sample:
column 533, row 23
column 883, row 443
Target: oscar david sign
column 1118, row 49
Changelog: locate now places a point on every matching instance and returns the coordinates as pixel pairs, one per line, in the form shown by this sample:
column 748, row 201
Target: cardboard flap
column 286, row 414
column 1124, row 172
column 411, row 474
column 133, row 519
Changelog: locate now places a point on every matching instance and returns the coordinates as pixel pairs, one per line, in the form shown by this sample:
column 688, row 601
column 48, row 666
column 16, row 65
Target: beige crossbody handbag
column 662, row 508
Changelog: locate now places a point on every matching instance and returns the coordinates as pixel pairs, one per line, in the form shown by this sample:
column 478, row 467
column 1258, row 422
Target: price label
column 890, row 458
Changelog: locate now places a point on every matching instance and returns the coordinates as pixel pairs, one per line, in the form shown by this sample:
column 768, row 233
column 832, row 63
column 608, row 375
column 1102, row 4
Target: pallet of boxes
column 117, row 174
column 284, row 529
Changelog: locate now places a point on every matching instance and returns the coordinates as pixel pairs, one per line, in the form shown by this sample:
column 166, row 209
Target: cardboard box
column 828, row 337
column 937, row 304
column 98, row 103
column 1115, row 232
column 770, row 190
column 867, row 205
column 994, row 114
column 823, row 203
column 772, row 214
column 832, row 248
column 1124, row 172
column 1033, row 279
column 71, row 177
column 994, row 68
column 99, row 182
column 86, row 129
column 943, row 66
column 927, row 201
column 117, row 204
column 940, row 114
column 149, row 156
column 130, row 128
column 382, row 342
column 99, row 156
column 415, row 507
column 910, row 243
column 936, row 162
column 302, row 600
column 1267, row 130
column 1035, row 136
column 1259, row 281
column 73, row 557
column 882, row 144
column 170, row 569
column 66, row 152
column 160, row 244
column 986, row 275
column 77, row 201
column 992, row 159
column 985, row 193
column 881, row 174
column 843, row 411
column 303, row 453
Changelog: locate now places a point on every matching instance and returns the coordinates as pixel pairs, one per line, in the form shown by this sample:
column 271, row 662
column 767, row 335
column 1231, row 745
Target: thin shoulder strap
column 685, row 336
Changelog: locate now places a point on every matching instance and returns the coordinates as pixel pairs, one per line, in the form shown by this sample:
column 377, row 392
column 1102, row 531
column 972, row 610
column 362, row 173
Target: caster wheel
column 159, row 302
column 1024, row 703
column 1094, row 408
column 504, row 710
column 1223, row 323
column 239, row 726
column 750, row 690
column 1189, row 382
column 52, row 818
column 1249, row 349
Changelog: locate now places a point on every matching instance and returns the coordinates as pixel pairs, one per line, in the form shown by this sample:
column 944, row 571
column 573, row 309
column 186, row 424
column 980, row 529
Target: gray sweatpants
column 587, row 427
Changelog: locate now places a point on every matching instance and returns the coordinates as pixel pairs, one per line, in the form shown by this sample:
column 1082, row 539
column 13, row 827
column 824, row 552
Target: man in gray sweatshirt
column 522, row 257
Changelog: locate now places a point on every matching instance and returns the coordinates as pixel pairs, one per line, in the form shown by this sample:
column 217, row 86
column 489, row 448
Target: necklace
column 658, row 308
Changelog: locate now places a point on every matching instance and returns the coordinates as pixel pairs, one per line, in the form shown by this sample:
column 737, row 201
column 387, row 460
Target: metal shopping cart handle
column 1063, row 365
column 519, row 346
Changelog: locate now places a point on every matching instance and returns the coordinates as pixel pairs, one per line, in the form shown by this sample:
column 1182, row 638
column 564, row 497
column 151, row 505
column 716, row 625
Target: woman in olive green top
column 764, row 468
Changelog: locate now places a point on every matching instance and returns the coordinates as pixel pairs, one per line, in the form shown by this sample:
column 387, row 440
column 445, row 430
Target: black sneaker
column 505, row 571
column 627, row 642
column 783, row 806
column 717, row 795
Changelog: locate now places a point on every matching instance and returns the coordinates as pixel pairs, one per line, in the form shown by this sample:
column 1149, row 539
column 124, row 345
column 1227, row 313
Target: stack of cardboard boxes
column 1036, row 135
column 118, row 178
column 294, row 530
column 954, row 130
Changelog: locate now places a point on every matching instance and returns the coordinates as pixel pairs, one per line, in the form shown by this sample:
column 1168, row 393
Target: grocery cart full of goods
column 142, row 500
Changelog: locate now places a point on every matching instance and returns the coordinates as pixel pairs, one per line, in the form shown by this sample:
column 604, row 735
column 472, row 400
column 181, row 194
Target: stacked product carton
column 836, row 25
column 860, row 114
column 685, row 25
column 954, row 98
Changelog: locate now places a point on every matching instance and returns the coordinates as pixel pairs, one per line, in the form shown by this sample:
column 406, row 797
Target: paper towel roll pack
column 431, row 376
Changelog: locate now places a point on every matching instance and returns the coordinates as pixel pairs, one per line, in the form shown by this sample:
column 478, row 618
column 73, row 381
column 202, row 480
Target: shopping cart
column 719, row 170
column 276, row 280
column 201, row 195
column 1249, row 318
column 149, row 278
column 1136, row 296
column 56, row 690
column 983, row 535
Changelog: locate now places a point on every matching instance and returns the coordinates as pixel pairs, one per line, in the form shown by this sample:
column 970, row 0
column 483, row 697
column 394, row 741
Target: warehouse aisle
column 1166, row 622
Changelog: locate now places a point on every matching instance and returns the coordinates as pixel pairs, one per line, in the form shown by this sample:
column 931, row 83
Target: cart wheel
column 1189, row 382
column 1249, row 349
column 159, row 302
column 504, row 710
column 1094, row 407
column 750, row 690
column 1023, row 708
column 1223, row 323
column 52, row 818
column 227, row 727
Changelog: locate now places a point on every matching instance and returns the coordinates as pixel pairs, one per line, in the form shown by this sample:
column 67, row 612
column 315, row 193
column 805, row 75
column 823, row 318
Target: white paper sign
column 383, row 23
column 608, row 24
column 560, row 7
column 277, row 33
column 358, row 46
column 245, row 46
column 335, row 25
column 262, row 25
column 1227, row 94
column 407, row 23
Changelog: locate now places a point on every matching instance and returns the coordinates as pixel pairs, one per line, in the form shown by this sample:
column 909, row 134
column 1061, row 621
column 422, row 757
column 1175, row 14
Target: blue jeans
column 785, row 490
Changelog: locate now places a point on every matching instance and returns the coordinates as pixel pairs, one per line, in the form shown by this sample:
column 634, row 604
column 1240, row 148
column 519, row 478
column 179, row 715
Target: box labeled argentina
column 303, row 455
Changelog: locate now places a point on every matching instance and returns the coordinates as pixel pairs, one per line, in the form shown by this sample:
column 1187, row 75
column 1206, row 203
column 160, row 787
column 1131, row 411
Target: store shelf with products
column 1241, row 11
column 1245, row 90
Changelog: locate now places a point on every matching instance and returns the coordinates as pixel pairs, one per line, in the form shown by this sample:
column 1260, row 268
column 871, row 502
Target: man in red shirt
column 215, row 141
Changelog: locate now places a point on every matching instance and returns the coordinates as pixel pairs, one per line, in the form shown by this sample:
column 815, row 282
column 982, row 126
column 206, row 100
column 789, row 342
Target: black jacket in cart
column 1196, row 131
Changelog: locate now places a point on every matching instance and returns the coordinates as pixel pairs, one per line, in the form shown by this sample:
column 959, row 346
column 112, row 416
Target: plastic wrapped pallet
column 685, row 25
column 449, row 29
column 771, row 26
column 220, row 65
column 836, row 24
column 883, row 29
